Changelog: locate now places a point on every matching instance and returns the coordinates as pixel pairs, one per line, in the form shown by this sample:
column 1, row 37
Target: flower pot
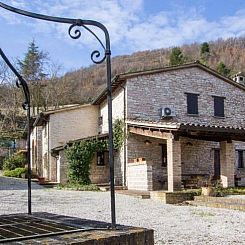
column 41, row 180
column 207, row 191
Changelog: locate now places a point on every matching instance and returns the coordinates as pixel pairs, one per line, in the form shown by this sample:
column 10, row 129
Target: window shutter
column 219, row 106
column 192, row 103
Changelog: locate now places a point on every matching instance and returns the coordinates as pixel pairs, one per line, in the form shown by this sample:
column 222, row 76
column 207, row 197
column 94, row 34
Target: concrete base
column 95, row 232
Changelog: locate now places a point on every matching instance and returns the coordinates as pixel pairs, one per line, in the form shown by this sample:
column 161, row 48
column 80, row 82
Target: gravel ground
column 173, row 224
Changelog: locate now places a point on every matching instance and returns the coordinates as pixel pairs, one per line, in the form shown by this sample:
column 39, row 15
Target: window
column 192, row 104
column 164, row 154
column 219, row 106
column 100, row 119
column 240, row 158
column 100, row 158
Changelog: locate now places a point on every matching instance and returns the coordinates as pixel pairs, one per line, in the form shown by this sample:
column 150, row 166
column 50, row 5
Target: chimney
column 239, row 78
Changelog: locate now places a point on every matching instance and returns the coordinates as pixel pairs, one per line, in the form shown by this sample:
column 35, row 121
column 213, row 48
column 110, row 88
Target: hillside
column 87, row 82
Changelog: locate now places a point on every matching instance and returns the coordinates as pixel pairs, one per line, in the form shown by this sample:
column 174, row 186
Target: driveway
column 173, row 224
column 16, row 184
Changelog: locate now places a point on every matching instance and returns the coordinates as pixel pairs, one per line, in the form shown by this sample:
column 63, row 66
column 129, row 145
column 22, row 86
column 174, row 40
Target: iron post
column 97, row 59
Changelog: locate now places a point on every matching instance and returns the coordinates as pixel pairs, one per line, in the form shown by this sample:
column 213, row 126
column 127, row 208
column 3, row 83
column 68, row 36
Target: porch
column 171, row 157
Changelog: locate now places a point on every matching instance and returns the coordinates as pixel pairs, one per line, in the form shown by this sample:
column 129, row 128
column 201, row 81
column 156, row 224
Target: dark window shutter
column 164, row 154
column 192, row 103
column 240, row 158
column 219, row 106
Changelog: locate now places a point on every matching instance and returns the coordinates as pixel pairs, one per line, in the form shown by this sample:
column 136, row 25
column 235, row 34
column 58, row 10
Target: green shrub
column 80, row 154
column 14, row 161
column 15, row 173
column 78, row 187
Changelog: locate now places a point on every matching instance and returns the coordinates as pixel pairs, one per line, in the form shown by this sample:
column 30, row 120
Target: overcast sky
column 134, row 25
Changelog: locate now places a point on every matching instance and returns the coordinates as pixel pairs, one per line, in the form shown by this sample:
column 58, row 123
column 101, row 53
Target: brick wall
column 140, row 175
column 151, row 152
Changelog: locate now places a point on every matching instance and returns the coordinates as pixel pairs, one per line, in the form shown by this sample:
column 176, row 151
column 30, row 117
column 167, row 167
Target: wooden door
column 217, row 163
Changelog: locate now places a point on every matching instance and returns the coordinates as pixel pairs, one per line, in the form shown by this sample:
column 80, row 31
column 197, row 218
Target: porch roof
column 55, row 150
column 192, row 130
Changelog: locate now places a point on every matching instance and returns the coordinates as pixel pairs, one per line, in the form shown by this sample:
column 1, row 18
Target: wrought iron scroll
column 21, row 83
column 96, row 58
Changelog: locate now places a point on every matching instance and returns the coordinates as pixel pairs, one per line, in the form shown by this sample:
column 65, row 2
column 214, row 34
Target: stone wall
column 197, row 156
column 146, row 94
column 64, row 126
column 100, row 174
column 73, row 124
column 118, row 107
column 239, row 172
column 62, row 168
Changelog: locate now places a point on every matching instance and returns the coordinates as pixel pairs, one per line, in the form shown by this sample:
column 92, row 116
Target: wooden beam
column 150, row 133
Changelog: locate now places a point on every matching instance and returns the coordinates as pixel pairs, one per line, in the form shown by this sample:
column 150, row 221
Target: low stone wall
column 98, row 234
column 220, row 202
column 172, row 197
column 140, row 175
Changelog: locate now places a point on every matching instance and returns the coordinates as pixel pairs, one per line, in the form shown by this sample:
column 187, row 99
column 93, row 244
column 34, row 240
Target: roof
column 193, row 130
column 59, row 148
column 42, row 117
column 119, row 79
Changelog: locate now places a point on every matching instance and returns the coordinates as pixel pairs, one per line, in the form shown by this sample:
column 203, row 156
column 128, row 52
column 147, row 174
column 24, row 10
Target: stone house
column 183, row 124
column 53, row 129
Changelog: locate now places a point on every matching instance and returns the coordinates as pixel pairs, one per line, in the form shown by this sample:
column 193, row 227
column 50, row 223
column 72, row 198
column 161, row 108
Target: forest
column 49, row 90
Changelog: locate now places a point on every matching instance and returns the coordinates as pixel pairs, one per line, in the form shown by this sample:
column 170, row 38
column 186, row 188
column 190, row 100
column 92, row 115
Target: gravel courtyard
column 172, row 224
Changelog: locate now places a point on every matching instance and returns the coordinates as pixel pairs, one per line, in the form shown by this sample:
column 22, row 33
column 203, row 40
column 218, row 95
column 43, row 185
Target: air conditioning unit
column 168, row 111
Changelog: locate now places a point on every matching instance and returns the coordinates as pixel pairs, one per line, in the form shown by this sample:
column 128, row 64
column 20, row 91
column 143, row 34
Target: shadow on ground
column 7, row 183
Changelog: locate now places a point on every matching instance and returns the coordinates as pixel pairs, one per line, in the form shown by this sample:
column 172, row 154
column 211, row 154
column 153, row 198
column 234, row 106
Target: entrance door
column 217, row 163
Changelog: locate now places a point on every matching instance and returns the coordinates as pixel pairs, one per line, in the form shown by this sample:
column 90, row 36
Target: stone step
column 135, row 193
column 228, row 200
column 107, row 188
column 219, row 202
column 234, row 206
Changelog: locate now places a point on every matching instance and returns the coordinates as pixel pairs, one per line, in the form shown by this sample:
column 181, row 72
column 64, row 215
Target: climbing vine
column 80, row 154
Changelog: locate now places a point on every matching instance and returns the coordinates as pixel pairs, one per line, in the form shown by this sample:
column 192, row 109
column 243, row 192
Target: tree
column 176, row 57
column 12, row 118
column 223, row 69
column 204, row 48
column 32, row 69
column 204, row 53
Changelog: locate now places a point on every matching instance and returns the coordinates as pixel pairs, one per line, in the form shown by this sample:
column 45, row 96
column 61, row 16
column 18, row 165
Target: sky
column 133, row 25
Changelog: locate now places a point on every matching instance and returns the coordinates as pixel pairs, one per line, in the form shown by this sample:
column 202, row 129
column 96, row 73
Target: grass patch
column 203, row 214
column 230, row 191
column 218, row 191
column 195, row 192
column 77, row 187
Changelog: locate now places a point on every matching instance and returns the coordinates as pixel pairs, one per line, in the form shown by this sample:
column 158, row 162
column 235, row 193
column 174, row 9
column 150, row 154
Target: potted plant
column 41, row 180
column 208, row 188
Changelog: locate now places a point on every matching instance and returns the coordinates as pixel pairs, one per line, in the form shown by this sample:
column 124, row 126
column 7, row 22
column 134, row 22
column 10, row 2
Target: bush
column 78, row 187
column 13, row 162
column 16, row 173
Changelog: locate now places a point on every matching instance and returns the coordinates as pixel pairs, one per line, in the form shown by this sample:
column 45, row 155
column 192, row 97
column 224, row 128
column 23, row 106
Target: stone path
column 173, row 224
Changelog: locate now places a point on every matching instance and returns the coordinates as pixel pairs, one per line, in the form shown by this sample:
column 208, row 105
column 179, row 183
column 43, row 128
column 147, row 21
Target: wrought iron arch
column 96, row 58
